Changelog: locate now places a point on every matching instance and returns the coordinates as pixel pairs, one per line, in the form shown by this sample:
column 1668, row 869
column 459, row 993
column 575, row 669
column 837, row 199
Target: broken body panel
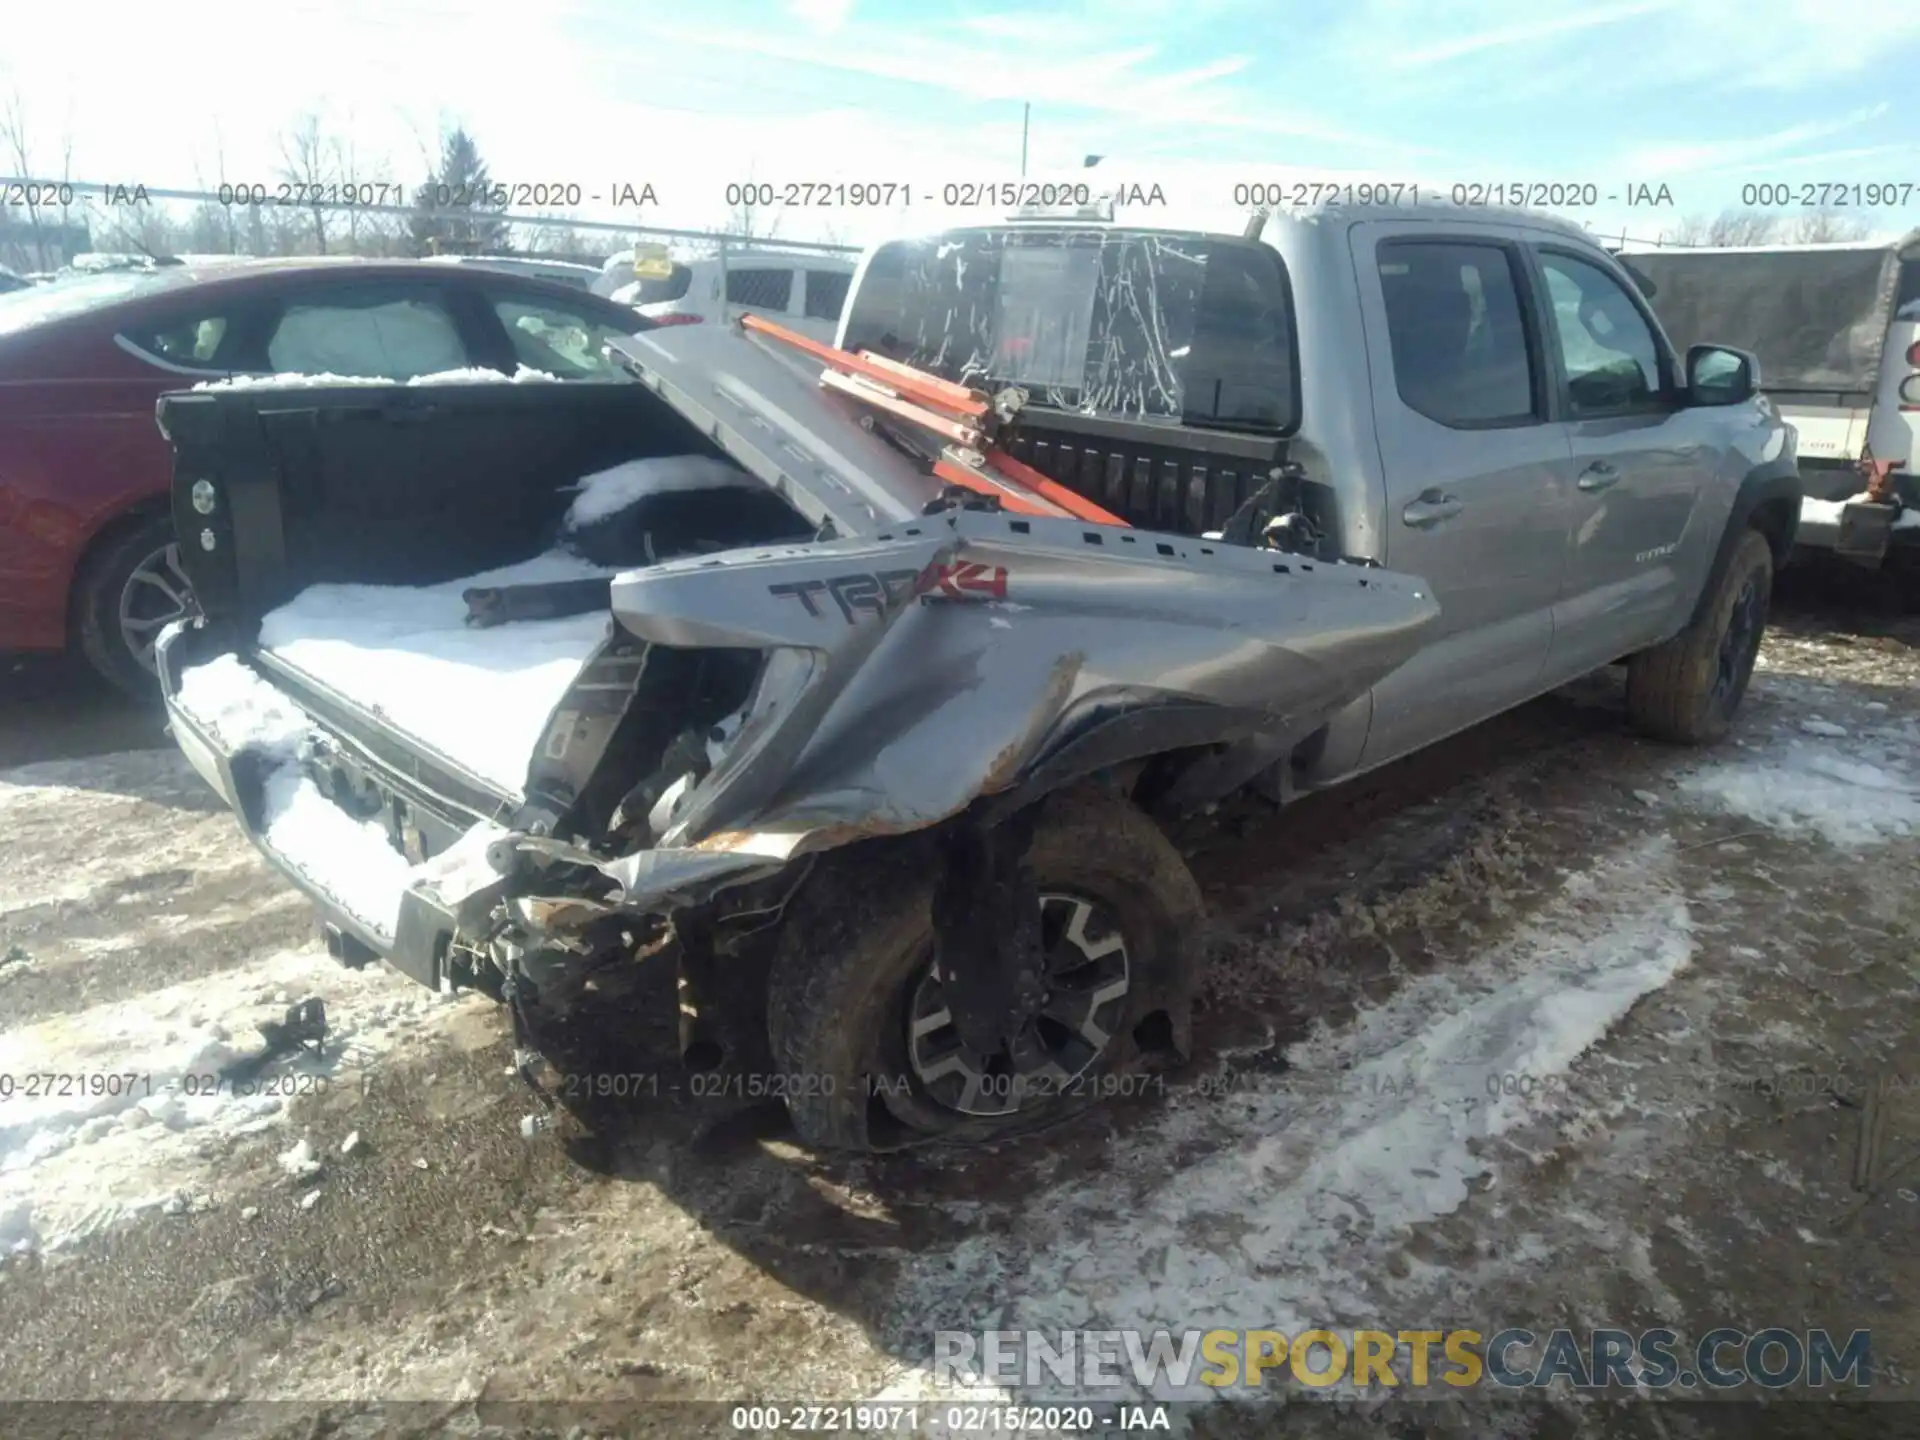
column 921, row 664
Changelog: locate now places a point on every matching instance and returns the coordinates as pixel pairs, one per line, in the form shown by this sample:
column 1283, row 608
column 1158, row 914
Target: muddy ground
column 1700, row 1165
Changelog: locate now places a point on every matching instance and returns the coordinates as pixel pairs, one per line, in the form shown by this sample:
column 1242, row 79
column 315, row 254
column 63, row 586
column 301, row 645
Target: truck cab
column 1480, row 397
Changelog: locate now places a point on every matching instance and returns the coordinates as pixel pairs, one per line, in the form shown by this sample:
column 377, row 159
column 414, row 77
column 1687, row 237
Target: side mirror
column 1719, row 375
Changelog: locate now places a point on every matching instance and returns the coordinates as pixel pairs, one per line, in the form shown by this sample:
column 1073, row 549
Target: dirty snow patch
column 1311, row 1177
column 608, row 492
column 481, row 697
column 1861, row 793
column 140, row 1123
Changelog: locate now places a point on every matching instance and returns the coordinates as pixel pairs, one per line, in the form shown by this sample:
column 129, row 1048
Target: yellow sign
column 652, row 262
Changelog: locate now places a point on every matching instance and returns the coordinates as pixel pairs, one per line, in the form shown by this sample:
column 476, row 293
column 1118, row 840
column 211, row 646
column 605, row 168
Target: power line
column 77, row 189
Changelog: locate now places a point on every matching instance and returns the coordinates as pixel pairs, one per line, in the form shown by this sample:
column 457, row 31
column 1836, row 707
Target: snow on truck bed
column 481, row 697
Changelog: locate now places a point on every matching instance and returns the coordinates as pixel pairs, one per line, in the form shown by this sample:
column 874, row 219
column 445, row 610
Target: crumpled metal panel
column 951, row 658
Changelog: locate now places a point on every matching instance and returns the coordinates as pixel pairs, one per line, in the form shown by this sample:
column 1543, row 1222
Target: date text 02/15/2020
column 60, row 1085
column 869, row 1419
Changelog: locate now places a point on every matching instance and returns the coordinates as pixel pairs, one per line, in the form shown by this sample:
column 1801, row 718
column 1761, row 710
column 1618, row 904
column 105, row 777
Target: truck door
column 1478, row 473
column 1643, row 459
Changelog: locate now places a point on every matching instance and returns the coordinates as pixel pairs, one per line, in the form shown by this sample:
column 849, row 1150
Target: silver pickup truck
column 854, row 683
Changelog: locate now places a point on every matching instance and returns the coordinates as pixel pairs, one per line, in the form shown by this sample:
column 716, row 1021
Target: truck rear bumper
column 1859, row 531
column 425, row 903
column 427, row 910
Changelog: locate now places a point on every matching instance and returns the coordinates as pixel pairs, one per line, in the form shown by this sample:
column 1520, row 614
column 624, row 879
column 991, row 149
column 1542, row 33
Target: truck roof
column 1233, row 220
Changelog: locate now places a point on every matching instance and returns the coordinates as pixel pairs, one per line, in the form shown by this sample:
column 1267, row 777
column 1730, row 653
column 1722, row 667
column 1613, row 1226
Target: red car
column 87, row 555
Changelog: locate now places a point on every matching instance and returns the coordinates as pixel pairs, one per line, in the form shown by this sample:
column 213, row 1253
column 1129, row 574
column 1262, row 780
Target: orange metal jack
column 958, row 415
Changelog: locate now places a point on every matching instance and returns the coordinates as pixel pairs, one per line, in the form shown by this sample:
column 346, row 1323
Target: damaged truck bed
column 850, row 716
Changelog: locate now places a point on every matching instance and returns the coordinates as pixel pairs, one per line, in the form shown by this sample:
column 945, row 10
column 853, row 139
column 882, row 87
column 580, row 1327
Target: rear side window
column 826, row 293
column 189, row 341
column 560, row 341
column 376, row 333
column 1127, row 324
column 763, row 289
column 1460, row 353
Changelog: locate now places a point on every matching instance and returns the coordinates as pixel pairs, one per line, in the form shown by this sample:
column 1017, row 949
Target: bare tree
column 751, row 220
column 310, row 162
column 1822, row 227
column 1743, row 227
column 213, row 228
column 13, row 131
column 66, row 177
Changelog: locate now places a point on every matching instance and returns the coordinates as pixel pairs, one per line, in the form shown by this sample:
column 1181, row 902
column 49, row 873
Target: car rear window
column 1126, row 324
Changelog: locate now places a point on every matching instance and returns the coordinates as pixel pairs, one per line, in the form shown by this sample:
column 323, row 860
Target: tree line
column 37, row 235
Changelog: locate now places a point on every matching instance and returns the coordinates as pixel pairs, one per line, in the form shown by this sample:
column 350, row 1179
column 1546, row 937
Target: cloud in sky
column 1511, row 34
column 592, row 91
column 826, row 16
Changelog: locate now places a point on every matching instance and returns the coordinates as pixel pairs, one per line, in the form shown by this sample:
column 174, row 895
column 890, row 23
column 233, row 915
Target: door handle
column 1597, row 476
column 1430, row 509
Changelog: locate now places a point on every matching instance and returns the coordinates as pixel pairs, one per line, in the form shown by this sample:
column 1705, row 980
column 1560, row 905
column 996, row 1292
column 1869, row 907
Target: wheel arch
column 1768, row 501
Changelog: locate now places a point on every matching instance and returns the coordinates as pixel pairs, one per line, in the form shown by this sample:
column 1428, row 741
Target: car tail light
column 676, row 319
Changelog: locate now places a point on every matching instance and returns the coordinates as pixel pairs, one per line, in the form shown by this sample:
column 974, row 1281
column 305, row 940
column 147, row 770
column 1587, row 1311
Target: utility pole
column 1026, row 114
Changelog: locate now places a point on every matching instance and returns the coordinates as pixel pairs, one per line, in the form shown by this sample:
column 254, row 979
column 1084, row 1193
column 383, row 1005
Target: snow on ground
column 1853, row 785
column 1307, row 1179
column 467, row 375
column 118, row 794
column 481, row 697
column 607, row 492
column 111, row 1110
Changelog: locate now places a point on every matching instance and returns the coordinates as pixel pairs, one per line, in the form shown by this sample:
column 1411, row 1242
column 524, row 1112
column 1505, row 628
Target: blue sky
column 1703, row 95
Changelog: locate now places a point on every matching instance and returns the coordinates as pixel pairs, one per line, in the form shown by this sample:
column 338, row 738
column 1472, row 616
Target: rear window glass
column 1125, row 324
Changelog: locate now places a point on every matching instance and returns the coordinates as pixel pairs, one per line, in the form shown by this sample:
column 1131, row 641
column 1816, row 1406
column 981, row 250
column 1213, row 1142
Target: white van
column 1837, row 330
column 803, row 292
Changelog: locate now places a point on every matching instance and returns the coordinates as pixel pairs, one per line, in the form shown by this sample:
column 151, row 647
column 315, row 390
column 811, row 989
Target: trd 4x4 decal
column 965, row 581
column 876, row 593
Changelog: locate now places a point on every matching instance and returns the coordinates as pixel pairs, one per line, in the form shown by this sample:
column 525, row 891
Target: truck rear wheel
column 1688, row 689
column 867, row 1052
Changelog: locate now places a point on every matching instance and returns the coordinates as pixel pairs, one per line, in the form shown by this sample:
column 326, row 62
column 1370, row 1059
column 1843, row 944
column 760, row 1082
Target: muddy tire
column 1688, row 689
column 849, row 1005
column 125, row 592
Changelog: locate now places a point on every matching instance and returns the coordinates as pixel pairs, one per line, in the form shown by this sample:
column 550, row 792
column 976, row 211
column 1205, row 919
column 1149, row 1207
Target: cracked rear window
column 1143, row 325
